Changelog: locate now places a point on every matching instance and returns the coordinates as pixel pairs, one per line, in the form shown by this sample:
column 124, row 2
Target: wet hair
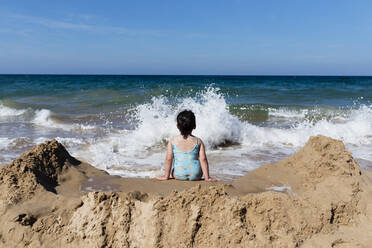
column 186, row 122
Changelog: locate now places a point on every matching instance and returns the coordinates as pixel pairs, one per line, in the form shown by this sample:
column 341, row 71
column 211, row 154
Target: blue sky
column 267, row 37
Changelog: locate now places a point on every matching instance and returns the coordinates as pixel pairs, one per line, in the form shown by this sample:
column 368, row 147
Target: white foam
column 40, row 140
column 84, row 127
column 144, row 148
column 288, row 113
column 7, row 112
column 15, row 143
column 4, row 143
column 215, row 124
column 10, row 148
column 71, row 142
column 355, row 130
column 44, row 118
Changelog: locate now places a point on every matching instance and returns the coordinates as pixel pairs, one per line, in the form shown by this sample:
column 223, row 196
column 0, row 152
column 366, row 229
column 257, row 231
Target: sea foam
column 7, row 111
column 234, row 146
column 140, row 152
column 44, row 118
column 215, row 124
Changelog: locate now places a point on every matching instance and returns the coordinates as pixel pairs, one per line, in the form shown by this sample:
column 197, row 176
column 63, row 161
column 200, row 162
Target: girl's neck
column 186, row 136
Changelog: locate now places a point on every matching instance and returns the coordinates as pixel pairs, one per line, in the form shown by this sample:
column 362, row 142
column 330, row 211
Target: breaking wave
column 142, row 149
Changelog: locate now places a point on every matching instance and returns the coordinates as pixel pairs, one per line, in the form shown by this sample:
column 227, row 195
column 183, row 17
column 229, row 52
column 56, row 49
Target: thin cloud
column 100, row 29
column 22, row 32
column 50, row 23
column 69, row 25
column 196, row 36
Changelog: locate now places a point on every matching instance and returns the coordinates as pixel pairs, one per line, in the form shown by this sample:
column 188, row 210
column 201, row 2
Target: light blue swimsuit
column 186, row 164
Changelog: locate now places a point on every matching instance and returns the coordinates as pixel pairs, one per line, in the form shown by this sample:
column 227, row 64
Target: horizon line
column 174, row 75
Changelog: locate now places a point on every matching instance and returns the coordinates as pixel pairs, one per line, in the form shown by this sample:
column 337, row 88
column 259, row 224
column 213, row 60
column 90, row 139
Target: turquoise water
column 121, row 123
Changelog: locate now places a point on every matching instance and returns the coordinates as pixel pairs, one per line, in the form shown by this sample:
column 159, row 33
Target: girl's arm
column 204, row 163
column 168, row 162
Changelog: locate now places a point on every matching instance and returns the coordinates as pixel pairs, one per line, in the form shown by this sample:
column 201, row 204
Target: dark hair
column 186, row 122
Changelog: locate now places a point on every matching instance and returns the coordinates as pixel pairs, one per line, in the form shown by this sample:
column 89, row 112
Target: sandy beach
column 319, row 197
column 106, row 108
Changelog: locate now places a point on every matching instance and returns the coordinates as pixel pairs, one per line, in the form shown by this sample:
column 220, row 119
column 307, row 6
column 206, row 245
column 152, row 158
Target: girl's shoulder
column 199, row 140
column 174, row 138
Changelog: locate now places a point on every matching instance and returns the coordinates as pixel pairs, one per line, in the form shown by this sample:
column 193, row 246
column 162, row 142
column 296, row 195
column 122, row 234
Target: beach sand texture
column 319, row 197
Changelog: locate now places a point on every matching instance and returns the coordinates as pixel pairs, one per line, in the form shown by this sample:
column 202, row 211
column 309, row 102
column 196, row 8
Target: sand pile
column 37, row 169
column 326, row 204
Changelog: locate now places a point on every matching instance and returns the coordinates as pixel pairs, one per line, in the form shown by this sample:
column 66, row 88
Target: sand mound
column 328, row 196
column 40, row 166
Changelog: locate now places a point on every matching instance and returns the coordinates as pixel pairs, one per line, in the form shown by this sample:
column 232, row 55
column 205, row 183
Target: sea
column 122, row 123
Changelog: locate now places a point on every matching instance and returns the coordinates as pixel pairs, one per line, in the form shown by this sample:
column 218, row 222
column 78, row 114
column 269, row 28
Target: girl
column 187, row 152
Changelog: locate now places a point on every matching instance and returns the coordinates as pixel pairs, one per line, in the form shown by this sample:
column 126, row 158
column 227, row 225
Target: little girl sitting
column 186, row 152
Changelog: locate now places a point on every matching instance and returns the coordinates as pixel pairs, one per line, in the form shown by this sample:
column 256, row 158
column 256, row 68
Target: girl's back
column 184, row 145
column 186, row 158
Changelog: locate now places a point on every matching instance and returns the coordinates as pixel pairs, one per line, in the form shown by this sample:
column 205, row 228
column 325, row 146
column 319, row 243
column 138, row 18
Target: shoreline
column 319, row 197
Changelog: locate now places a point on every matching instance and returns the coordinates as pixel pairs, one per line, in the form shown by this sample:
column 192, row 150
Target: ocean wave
column 8, row 112
column 217, row 126
column 288, row 113
column 144, row 146
column 10, row 148
column 235, row 145
column 19, row 143
column 356, row 130
column 45, row 118
column 4, row 143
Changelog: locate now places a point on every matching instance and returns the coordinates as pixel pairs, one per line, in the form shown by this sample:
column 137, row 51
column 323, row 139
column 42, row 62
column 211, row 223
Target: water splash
column 142, row 149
